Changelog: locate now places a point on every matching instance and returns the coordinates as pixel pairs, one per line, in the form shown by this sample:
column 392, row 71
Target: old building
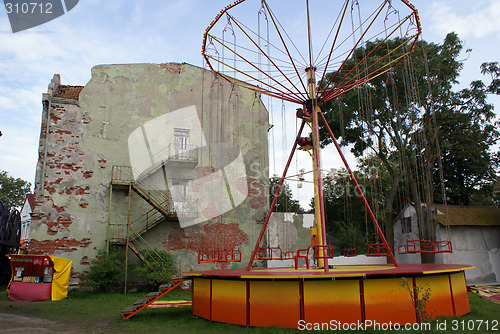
column 165, row 156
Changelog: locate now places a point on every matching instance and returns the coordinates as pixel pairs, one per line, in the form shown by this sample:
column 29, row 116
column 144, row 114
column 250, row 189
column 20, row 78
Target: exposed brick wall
column 216, row 236
column 64, row 163
column 173, row 68
column 63, row 245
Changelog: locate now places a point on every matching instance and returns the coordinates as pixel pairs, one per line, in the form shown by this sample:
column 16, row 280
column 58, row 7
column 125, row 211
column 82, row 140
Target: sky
column 158, row 31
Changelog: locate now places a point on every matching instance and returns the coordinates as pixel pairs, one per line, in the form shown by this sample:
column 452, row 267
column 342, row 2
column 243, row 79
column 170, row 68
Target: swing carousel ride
column 307, row 53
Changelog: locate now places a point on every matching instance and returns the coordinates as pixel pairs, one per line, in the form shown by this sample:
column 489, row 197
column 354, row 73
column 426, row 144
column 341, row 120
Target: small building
column 474, row 233
column 496, row 187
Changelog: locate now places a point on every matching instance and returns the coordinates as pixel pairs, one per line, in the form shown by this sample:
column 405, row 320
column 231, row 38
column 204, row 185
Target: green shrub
column 160, row 267
column 107, row 270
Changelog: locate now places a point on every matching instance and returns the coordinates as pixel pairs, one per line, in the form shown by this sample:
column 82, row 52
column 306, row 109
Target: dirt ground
column 14, row 323
column 15, row 319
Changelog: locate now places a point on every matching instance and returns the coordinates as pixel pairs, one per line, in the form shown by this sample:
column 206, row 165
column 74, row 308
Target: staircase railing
column 151, row 193
column 138, row 244
column 146, row 222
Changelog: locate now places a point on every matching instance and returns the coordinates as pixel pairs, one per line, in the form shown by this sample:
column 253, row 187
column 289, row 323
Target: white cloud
column 477, row 19
column 18, row 152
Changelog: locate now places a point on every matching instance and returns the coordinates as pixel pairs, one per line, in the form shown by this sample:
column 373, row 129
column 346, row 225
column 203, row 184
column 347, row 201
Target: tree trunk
column 388, row 215
column 425, row 229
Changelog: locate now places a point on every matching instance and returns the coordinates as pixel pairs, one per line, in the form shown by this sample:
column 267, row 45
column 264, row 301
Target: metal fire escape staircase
column 130, row 235
column 182, row 158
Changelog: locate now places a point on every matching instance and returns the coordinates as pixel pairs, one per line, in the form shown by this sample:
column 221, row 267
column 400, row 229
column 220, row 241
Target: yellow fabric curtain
column 60, row 279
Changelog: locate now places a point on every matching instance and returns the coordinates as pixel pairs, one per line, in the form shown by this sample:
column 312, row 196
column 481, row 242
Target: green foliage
column 13, row 191
column 420, row 297
column 107, row 270
column 493, row 70
column 285, row 201
column 345, row 213
column 160, row 267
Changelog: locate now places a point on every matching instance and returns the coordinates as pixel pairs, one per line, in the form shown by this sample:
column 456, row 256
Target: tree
column 493, row 70
column 13, row 191
column 107, row 270
column 408, row 116
column 345, row 216
column 467, row 132
column 159, row 269
column 285, row 201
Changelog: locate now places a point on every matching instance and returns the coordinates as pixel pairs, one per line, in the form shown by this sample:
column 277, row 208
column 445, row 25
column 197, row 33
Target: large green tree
column 411, row 114
column 285, row 201
column 13, row 191
column 346, row 218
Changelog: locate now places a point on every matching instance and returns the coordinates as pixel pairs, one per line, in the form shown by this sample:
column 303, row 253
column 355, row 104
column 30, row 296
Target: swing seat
column 425, row 246
column 378, row 249
column 304, row 254
column 270, row 253
column 233, row 255
column 349, row 252
column 213, row 256
column 327, row 252
column 205, row 256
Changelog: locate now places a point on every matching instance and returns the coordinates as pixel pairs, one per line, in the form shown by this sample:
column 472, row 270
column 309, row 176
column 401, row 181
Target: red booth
column 38, row 277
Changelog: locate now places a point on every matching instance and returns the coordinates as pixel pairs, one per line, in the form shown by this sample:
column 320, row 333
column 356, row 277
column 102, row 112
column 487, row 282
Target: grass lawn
column 100, row 313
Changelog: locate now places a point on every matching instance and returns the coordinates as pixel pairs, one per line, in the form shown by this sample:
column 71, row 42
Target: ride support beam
column 319, row 206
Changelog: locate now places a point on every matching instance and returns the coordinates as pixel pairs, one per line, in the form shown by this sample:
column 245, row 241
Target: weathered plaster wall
column 478, row 246
column 290, row 232
column 400, row 238
column 88, row 136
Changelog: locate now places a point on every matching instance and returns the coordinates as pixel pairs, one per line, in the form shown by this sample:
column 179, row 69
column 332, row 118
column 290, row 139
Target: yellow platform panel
column 274, row 303
column 329, row 300
column 229, row 302
column 387, row 300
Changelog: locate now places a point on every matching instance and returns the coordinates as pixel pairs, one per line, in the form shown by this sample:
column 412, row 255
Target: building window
column 181, row 143
column 179, row 191
column 406, row 225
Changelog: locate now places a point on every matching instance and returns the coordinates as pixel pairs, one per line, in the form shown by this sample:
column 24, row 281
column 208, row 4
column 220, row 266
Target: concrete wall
column 474, row 245
column 290, row 232
column 82, row 139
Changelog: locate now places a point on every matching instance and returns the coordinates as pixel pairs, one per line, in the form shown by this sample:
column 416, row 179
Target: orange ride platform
column 347, row 294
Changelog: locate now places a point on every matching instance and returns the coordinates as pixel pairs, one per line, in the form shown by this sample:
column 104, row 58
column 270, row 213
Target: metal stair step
column 153, row 294
column 166, row 286
column 141, row 302
column 129, row 309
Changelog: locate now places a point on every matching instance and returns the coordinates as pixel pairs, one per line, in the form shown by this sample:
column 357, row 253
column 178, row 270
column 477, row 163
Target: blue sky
column 118, row 31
